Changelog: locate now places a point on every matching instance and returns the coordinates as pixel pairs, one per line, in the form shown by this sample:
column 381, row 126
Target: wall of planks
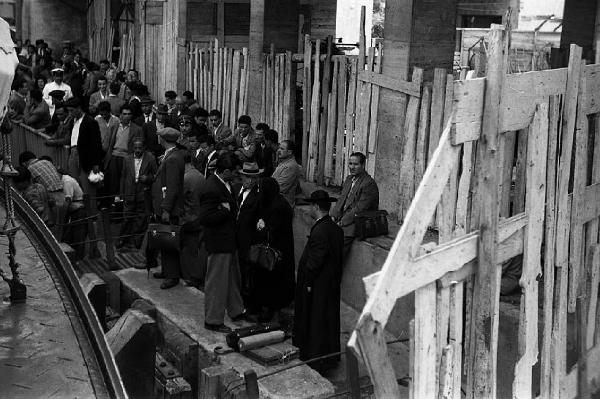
column 513, row 173
column 218, row 78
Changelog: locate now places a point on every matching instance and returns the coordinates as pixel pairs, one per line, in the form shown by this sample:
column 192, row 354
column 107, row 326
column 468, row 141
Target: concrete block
column 145, row 307
column 95, row 290
column 133, row 342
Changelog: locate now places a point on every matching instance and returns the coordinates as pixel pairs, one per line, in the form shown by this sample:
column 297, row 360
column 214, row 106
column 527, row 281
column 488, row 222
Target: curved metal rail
column 90, row 335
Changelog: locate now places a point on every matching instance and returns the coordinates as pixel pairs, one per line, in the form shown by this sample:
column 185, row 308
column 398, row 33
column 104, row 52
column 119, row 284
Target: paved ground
column 39, row 352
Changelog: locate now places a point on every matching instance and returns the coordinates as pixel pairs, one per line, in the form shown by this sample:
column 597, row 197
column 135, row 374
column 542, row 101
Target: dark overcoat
column 317, row 313
column 218, row 221
column 170, row 176
column 275, row 289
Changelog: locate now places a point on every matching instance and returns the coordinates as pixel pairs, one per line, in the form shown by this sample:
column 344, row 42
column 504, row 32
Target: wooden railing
column 25, row 138
column 509, row 175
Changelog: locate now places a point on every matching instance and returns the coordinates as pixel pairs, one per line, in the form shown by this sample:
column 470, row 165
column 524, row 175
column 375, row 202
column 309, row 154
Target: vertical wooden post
column 93, row 245
column 251, row 384
column 361, row 40
column 324, row 113
column 255, row 49
column 352, row 375
column 306, row 100
column 534, row 233
column 583, row 389
column 484, row 324
column 559, row 328
column 108, row 238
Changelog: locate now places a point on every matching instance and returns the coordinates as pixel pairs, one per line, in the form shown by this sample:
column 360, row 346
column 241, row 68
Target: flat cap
column 169, row 134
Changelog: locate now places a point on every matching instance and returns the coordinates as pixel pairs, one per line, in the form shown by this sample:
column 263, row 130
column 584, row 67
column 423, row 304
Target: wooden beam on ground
column 371, row 339
column 484, row 322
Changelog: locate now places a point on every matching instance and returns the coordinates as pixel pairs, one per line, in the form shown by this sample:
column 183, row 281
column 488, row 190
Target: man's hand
column 226, row 205
column 309, row 289
column 96, row 169
column 165, row 217
column 260, row 225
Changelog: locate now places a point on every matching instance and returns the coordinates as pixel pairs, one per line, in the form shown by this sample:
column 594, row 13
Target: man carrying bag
column 167, row 204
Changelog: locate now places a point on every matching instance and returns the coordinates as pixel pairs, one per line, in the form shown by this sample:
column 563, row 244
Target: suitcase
column 370, row 224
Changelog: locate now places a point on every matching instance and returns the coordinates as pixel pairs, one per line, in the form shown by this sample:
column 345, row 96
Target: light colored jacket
column 287, row 174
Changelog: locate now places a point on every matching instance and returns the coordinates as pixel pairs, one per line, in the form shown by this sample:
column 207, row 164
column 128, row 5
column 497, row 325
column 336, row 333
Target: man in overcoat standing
column 317, row 303
column 167, row 200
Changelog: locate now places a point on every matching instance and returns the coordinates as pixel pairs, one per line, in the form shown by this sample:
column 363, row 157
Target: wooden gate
column 504, row 182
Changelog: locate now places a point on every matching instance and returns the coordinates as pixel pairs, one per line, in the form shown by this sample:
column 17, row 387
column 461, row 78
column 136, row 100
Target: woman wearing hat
column 317, row 303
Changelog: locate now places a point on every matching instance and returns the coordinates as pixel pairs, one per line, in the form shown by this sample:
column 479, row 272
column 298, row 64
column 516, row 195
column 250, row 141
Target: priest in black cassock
column 317, row 303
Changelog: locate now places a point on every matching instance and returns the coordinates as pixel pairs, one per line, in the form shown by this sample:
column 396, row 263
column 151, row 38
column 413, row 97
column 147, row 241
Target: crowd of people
column 172, row 162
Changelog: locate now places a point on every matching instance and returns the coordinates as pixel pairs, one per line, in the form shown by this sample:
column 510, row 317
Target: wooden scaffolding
column 516, row 171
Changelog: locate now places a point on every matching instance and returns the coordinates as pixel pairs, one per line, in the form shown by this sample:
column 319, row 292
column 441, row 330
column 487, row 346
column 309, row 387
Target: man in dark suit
column 248, row 197
column 86, row 148
column 167, row 200
column 150, row 129
column 148, row 114
column 317, row 302
column 120, row 144
column 359, row 193
column 264, row 153
column 218, row 211
column 193, row 256
column 137, row 176
column 207, row 147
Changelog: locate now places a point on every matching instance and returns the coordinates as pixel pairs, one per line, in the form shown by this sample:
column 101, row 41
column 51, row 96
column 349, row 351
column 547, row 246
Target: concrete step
column 181, row 310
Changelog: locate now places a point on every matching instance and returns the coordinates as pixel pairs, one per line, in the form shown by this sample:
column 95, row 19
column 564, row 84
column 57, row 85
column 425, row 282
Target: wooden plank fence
column 514, row 173
column 218, row 78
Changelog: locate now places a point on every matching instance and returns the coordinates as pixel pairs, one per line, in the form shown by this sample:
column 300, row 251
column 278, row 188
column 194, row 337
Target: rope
column 102, row 239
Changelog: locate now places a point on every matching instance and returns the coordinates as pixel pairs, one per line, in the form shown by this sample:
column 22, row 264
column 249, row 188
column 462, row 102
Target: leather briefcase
column 265, row 256
column 164, row 237
column 370, row 224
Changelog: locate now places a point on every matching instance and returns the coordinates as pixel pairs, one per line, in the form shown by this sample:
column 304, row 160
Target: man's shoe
column 222, row 328
column 169, row 283
column 242, row 316
column 158, row 275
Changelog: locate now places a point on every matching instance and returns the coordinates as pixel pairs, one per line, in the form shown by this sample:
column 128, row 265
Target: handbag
column 264, row 255
column 370, row 224
column 164, row 237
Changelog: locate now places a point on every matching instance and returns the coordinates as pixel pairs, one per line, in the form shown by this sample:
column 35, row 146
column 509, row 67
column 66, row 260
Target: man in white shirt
column 108, row 123
column 57, row 84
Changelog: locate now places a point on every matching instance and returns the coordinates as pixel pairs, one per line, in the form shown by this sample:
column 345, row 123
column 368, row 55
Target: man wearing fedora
column 150, row 130
column 247, row 217
column 167, row 200
column 317, row 302
column 148, row 114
